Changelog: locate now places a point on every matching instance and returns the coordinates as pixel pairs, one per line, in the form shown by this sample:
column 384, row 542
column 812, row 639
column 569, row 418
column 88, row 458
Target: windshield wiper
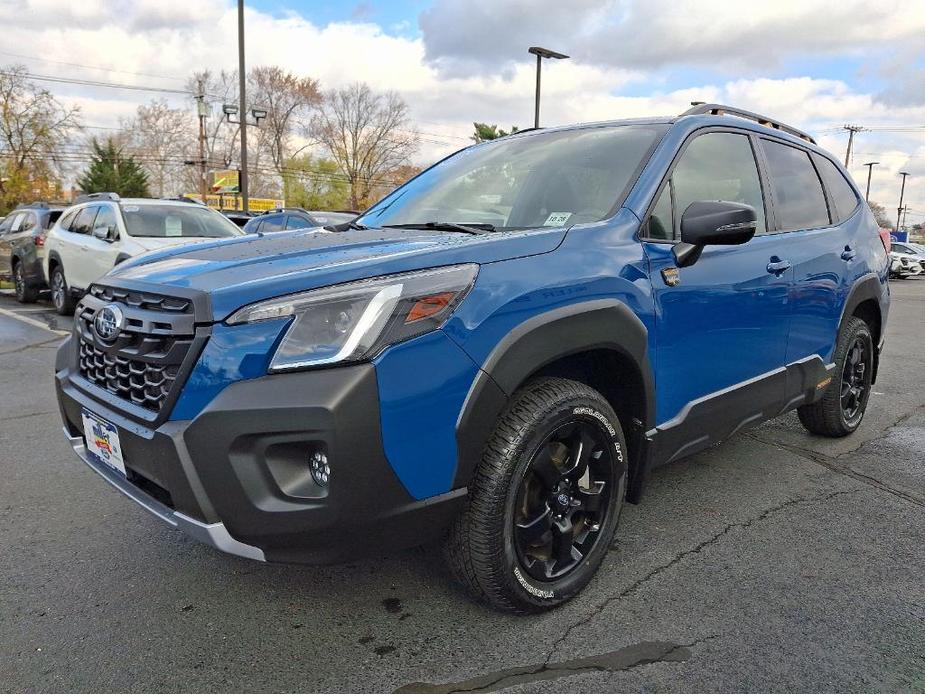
column 473, row 228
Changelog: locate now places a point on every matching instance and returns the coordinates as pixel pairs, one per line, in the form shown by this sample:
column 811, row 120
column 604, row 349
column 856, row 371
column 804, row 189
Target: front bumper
column 237, row 476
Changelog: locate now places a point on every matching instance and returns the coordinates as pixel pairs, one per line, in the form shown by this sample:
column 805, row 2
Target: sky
column 815, row 64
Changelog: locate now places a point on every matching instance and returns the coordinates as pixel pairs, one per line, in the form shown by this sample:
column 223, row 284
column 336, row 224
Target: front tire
column 24, row 293
column 841, row 409
column 544, row 503
column 60, row 293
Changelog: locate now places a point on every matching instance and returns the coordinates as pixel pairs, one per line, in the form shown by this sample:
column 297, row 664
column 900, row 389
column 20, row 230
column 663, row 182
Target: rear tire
column 24, row 293
column 841, row 409
column 61, row 295
column 545, row 501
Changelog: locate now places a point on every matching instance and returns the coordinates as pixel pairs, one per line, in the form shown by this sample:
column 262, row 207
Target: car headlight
column 353, row 321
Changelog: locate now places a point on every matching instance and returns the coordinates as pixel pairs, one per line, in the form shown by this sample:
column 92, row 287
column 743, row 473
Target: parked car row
column 66, row 249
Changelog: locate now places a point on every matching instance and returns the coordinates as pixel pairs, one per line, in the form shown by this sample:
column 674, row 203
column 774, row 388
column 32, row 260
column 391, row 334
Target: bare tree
column 161, row 139
column 288, row 101
column 34, row 127
column 369, row 135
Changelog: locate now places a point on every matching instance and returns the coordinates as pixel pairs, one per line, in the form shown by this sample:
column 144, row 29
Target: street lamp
column 541, row 53
column 902, row 190
column 242, row 83
column 231, row 115
column 870, row 168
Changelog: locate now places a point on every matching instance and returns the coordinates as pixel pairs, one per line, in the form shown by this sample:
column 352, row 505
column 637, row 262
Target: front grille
column 144, row 384
column 142, row 364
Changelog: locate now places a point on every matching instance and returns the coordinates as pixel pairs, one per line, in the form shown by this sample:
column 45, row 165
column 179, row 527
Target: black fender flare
column 538, row 341
column 867, row 288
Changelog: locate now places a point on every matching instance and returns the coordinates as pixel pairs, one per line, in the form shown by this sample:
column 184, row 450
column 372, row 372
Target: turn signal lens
column 427, row 306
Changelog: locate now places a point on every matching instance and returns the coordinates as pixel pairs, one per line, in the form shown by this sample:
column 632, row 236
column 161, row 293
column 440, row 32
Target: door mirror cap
column 108, row 234
column 713, row 223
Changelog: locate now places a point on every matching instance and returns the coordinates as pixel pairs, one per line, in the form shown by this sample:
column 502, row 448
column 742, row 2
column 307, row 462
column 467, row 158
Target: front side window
column 296, row 222
column 798, row 197
column 106, row 220
column 840, row 191
column 273, row 223
column 177, row 221
column 556, row 178
column 84, row 222
column 719, row 166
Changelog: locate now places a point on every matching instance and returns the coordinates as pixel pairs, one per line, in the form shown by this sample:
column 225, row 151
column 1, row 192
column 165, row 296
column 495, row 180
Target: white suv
column 102, row 230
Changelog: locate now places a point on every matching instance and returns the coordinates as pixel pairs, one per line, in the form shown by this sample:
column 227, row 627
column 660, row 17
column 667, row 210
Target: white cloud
column 618, row 49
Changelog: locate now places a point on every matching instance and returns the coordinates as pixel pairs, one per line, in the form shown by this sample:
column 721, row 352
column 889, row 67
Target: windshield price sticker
column 557, row 219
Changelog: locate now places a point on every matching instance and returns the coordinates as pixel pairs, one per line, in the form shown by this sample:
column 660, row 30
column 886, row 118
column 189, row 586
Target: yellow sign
column 233, row 202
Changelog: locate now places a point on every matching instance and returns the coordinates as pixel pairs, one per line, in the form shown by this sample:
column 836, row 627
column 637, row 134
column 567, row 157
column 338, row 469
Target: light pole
column 242, row 84
column 902, row 190
column 541, row 53
column 870, row 168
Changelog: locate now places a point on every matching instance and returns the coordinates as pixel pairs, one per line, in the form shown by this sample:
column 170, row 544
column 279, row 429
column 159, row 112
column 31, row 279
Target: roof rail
column 698, row 108
column 87, row 197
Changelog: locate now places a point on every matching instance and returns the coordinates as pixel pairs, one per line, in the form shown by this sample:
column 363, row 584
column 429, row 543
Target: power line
column 95, row 83
column 91, row 67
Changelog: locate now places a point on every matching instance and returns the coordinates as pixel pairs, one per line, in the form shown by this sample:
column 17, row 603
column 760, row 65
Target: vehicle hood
column 241, row 270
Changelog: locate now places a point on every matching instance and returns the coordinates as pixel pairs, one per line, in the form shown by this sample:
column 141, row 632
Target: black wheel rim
column 57, row 290
column 563, row 500
column 855, row 380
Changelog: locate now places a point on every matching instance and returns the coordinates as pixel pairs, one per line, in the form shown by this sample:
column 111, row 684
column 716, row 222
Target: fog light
column 321, row 471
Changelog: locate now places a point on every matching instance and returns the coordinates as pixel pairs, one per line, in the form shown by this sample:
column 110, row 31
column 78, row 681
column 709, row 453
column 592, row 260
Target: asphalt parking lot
column 774, row 562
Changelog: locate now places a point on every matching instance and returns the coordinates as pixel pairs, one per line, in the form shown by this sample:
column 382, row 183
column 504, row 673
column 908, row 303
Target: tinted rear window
column 798, row 197
column 840, row 191
column 52, row 218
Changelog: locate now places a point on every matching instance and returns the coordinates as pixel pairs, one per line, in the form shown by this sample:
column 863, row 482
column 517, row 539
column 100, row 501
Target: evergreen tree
column 111, row 171
column 484, row 132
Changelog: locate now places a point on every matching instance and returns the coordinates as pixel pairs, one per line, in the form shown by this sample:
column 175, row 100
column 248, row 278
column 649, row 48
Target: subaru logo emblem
column 563, row 499
column 108, row 322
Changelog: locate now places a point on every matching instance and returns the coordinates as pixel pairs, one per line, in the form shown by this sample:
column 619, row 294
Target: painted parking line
column 32, row 321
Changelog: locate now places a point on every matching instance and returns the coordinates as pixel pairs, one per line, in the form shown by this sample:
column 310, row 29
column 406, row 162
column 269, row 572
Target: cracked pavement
column 773, row 562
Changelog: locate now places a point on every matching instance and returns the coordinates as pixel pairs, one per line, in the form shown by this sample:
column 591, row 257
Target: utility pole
column 202, row 111
column 905, row 212
column 902, row 190
column 541, row 53
column 242, row 84
column 870, row 168
column 852, row 129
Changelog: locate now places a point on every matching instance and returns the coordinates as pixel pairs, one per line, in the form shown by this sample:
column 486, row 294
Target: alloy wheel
column 57, row 289
column 563, row 499
column 854, row 382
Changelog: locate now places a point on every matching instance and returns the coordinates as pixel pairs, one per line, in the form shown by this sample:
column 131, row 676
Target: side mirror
column 107, row 233
column 713, row 223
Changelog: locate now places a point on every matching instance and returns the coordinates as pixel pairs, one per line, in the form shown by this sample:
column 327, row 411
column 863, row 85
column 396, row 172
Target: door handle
column 848, row 253
column 778, row 266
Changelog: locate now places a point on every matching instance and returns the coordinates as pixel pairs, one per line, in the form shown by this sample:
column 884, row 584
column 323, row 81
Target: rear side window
column 718, row 166
column 28, row 221
column 68, row 219
column 798, row 198
column 840, row 191
column 84, row 222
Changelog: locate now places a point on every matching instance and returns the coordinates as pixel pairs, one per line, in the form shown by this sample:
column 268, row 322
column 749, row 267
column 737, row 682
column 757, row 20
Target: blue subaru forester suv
column 495, row 354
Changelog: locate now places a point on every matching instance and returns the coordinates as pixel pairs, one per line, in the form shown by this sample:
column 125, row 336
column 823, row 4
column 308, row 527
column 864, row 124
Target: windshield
column 177, row 221
column 545, row 179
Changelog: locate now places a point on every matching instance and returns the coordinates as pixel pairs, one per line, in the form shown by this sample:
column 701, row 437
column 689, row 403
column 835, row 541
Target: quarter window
column 68, row 219
column 719, row 166
column 661, row 226
column 798, row 198
column 840, row 191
